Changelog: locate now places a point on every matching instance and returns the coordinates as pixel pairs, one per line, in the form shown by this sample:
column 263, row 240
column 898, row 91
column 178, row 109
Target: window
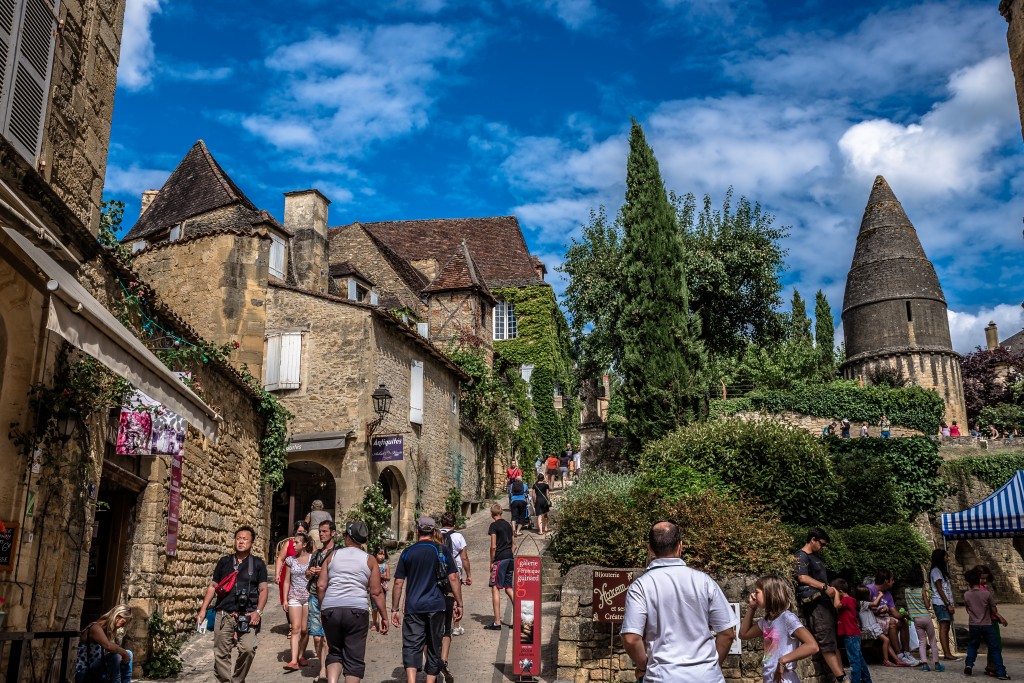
column 455, row 403
column 910, row 314
column 27, row 31
column 504, row 321
column 357, row 292
column 277, row 253
column 526, row 372
column 283, row 361
column 175, row 233
column 416, row 392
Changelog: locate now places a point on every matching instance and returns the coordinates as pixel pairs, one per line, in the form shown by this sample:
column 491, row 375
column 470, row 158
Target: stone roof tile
column 459, row 273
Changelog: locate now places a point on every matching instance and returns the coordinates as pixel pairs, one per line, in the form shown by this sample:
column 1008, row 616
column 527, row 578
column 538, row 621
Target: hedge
column 912, row 407
column 884, row 481
column 992, row 470
column 860, row 551
column 784, row 467
column 604, row 519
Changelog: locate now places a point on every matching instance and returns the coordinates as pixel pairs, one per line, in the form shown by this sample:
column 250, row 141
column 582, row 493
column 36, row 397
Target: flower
column 235, row 344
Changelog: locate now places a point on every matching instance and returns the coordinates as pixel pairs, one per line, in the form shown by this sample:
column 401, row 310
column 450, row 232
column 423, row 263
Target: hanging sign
column 148, row 428
column 174, row 505
column 526, row 642
column 386, row 448
column 8, row 545
column 610, row 586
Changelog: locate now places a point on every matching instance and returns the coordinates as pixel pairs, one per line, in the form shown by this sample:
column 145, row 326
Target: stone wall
column 814, row 424
column 587, row 652
column 939, row 371
column 351, row 243
column 218, row 283
column 1012, row 11
column 458, row 316
column 77, row 132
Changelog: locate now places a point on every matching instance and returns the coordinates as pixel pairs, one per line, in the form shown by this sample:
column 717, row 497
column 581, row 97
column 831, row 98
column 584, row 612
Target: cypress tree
column 799, row 323
column 824, row 333
column 660, row 351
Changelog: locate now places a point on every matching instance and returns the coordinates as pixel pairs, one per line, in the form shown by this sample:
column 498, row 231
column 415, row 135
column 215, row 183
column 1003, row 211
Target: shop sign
column 8, row 545
column 174, row 505
column 526, row 642
column 610, row 586
column 386, row 448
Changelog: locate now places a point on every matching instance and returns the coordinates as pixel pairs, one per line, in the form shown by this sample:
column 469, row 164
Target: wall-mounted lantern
column 381, row 406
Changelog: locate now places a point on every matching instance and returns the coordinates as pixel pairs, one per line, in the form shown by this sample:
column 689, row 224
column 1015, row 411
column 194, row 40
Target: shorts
column 885, row 623
column 295, row 602
column 316, row 627
column 449, row 616
column 520, row 513
column 551, row 472
column 501, row 574
column 346, row 638
column 564, row 471
column 885, row 435
column 822, row 621
column 942, row 613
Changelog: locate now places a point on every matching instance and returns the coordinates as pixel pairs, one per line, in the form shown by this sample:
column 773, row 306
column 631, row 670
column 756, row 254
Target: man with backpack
column 428, row 573
column 517, row 495
column 456, row 545
column 240, row 584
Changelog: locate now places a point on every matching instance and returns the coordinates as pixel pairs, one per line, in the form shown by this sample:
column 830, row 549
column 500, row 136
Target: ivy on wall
column 543, row 341
column 991, row 470
column 912, row 407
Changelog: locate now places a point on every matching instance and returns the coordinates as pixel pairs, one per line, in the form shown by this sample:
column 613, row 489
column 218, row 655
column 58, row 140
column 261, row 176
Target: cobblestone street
column 478, row 656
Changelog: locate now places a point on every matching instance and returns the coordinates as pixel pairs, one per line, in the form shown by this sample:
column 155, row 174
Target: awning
column 80, row 319
column 318, row 441
column 1001, row 515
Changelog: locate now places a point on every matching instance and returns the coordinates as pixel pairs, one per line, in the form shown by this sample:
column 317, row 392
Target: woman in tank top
column 346, row 581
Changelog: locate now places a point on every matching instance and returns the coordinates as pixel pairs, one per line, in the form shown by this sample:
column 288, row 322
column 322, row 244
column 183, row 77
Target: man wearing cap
column 417, row 571
column 344, row 582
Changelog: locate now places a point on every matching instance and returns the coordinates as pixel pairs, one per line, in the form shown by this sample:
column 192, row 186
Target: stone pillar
column 305, row 215
column 992, row 336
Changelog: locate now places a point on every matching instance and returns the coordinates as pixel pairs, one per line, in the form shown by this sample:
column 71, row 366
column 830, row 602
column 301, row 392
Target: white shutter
column 272, row 363
column 423, row 329
column 277, row 257
column 10, row 14
column 291, row 360
column 373, row 298
column 353, row 291
column 27, row 76
column 416, row 393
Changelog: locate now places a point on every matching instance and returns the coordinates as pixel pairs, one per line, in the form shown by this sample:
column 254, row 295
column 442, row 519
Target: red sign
column 610, row 586
column 174, row 505
column 526, row 619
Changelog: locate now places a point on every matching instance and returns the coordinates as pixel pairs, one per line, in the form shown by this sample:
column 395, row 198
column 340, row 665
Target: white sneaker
column 908, row 658
column 458, row 631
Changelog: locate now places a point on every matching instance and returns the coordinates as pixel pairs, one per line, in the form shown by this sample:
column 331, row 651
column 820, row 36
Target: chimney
column 305, row 215
column 992, row 336
column 539, row 267
column 147, row 198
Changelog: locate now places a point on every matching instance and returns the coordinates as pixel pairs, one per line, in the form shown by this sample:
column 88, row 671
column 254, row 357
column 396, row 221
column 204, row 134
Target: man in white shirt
column 678, row 626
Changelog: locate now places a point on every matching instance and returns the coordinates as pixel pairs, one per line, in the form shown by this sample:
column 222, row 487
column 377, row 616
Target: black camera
column 242, row 623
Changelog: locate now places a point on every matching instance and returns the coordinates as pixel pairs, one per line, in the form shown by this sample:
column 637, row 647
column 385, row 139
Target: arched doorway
column 966, row 556
column 393, row 484
column 304, row 482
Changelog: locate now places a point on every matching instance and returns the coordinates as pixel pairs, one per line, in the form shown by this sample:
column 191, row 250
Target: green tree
column 799, row 323
column 592, row 265
column 824, row 334
column 733, row 263
column 660, row 351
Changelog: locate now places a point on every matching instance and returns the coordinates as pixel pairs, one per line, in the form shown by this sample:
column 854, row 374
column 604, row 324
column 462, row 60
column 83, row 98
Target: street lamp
column 381, row 406
column 67, row 422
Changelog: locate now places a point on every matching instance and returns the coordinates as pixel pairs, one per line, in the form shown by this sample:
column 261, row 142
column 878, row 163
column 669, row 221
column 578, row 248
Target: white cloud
column 573, row 13
column 345, row 91
column 136, row 66
column 197, row 74
column 949, row 149
column 968, row 329
column 133, row 179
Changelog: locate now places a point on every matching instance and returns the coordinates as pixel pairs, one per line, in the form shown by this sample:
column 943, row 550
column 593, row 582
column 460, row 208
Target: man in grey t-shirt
column 678, row 626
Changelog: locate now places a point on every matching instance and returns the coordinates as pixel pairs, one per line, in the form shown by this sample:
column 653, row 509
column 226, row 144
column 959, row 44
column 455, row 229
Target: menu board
column 8, row 546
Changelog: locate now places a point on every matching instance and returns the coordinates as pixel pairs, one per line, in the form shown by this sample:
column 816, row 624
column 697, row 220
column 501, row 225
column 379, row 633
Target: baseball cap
column 426, row 523
column 358, row 531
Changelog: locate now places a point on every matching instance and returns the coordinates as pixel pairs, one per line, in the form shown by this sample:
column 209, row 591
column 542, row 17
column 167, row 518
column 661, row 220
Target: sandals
column 303, row 661
column 291, row 666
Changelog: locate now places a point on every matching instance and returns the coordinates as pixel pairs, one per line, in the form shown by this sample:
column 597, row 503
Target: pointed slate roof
column 459, row 273
column 196, row 186
column 1015, row 343
column 889, row 261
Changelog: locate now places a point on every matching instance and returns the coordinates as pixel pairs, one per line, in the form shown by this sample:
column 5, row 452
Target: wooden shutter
column 27, row 76
column 291, row 360
column 277, row 257
column 423, row 329
column 10, row 16
column 353, row 290
column 416, row 393
column 273, row 363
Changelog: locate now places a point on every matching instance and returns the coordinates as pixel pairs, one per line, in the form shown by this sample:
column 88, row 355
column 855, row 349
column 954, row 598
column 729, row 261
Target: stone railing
column 587, row 652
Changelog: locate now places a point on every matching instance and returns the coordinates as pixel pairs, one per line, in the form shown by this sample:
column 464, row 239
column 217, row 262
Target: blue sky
column 441, row 108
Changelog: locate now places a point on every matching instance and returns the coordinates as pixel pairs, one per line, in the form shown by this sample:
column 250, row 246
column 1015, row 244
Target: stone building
column 323, row 338
column 894, row 312
column 81, row 527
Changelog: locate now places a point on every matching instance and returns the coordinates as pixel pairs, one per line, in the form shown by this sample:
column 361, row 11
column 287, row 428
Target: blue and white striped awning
column 1001, row 515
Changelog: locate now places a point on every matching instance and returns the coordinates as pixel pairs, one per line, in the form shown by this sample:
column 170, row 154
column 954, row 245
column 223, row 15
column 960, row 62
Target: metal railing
column 17, row 652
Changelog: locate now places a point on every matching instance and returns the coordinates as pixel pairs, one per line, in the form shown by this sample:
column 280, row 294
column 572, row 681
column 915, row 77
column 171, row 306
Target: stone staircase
column 551, row 579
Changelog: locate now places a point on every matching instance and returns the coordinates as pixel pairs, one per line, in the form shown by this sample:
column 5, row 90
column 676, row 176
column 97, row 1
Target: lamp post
column 381, row 406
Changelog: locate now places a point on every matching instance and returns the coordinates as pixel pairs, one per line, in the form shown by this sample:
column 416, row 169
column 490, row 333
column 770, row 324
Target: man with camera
column 240, row 584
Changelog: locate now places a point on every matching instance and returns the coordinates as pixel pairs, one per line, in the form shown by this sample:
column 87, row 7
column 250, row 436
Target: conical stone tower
column 894, row 312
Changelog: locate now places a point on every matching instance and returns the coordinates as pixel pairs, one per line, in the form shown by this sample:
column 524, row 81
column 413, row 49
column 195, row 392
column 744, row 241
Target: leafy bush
column 729, row 406
column 376, row 513
column 885, row 480
column 1005, row 417
column 673, row 479
column 784, row 467
column 912, row 407
column 605, row 518
column 164, row 659
column 993, row 470
column 861, row 551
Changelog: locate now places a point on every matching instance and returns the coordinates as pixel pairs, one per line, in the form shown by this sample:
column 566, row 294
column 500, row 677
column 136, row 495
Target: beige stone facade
column 1013, row 12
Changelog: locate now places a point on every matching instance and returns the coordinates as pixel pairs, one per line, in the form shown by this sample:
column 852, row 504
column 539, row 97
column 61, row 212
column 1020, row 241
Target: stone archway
column 395, row 491
column 966, row 556
column 304, row 482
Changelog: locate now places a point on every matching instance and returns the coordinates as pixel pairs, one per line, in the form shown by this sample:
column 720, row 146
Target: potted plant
column 3, row 613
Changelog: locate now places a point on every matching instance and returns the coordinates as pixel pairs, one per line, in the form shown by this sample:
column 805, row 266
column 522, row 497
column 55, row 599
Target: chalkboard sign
column 8, row 547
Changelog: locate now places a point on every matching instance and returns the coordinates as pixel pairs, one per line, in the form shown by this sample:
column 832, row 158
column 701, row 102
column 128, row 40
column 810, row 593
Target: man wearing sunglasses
column 814, row 595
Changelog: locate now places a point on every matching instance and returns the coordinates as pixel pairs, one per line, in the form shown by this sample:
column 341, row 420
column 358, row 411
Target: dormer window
column 504, row 321
column 358, row 291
